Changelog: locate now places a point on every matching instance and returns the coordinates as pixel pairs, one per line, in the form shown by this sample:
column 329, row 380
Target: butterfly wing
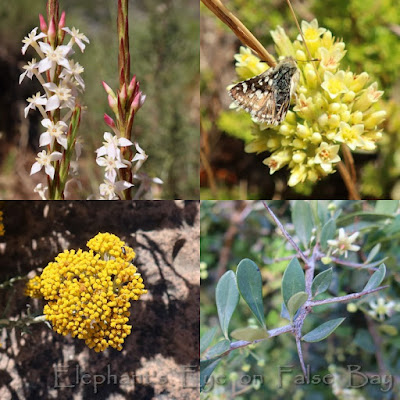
column 266, row 96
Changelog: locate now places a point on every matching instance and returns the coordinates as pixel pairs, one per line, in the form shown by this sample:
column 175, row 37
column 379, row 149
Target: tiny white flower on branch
column 31, row 40
column 44, row 160
column 37, row 100
column 77, row 38
column 344, row 243
column 55, row 131
column 62, row 97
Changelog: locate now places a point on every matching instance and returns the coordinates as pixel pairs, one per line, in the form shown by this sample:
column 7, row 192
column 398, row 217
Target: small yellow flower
column 311, row 31
column 334, row 84
column 381, row 308
column 350, row 134
column 327, row 155
column 248, row 65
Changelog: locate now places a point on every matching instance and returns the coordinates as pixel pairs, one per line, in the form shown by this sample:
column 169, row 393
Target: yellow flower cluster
column 332, row 107
column 1, row 224
column 89, row 292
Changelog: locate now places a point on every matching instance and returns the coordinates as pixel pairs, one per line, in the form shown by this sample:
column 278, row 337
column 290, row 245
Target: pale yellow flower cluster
column 89, row 292
column 332, row 107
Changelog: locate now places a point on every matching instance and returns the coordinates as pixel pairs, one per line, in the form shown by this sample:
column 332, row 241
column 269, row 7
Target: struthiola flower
column 77, row 37
column 37, row 100
column 332, row 106
column 111, row 164
column 55, row 131
column 31, row 40
column 45, row 160
column 111, row 145
column 89, row 293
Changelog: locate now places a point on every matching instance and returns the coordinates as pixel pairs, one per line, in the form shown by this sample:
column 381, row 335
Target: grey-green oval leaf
column 376, row 278
column 321, row 282
column 293, row 280
column 227, row 298
column 322, row 331
column 302, row 220
column 327, row 233
column 295, row 302
column 373, row 253
column 386, row 206
column 207, row 338
column 219, row 348
column 249, row 282
column 206, row 369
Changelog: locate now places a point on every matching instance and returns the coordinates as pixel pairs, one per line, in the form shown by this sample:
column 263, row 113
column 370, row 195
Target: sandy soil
column 160, row 357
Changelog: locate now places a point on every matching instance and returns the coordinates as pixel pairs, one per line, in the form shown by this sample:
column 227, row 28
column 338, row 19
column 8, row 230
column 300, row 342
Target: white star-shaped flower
column 37, row 100
column 30, row 69
column 44, row 160
column 55, row 131
column 111, row 144
column 31, row 40
column 77, row 38
column 111, row 164
column 57, row 56
column 62, row 97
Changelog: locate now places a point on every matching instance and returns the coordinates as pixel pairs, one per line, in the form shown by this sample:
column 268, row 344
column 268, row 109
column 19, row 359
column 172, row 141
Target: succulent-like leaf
column 322, row 331
column 293, row 280
column 321, row 282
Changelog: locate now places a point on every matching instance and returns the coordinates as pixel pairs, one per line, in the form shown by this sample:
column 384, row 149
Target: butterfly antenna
column 302, row 36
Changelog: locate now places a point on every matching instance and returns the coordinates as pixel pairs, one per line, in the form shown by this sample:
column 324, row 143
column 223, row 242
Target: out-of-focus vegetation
column 164, row 37
column 234, row 230
column 371, row 32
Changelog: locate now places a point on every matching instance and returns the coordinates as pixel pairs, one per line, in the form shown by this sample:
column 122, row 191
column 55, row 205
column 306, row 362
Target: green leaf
column 206, row 369
column 322, row 331
column 295, row 302
column 386, row 206
column 250, row 334
column 293, row 280
column 227, row 298
column 207, row 338
column 250, row 286
column 302, row 221
column 375, row 263
column 376, row 278
column 219, row 348
column 327, row 233
column 321, row 282
column 285, row 312
column 374, row 251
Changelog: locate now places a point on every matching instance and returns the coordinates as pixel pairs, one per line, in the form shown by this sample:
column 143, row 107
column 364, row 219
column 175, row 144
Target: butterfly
column 267, row 96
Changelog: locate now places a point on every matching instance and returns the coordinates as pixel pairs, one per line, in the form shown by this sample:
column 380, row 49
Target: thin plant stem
column 285, row 233
column 343, row 299
column 239, row 29
column 350, row 185
column 349, row 161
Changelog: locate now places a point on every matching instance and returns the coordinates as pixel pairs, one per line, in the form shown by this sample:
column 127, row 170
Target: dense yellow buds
column 89, row 292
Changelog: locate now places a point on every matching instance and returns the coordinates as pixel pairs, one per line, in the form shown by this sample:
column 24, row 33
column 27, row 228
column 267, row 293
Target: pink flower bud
column 51, row 33
column 137, row 101
column 109, row 121
column 43, row 25
column 132, row 86
column 112, row 103
column 123, row 95
column 61, row 24
column 108, row 90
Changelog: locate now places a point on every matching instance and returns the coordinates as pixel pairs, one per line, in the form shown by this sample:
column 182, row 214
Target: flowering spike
column 43, row 25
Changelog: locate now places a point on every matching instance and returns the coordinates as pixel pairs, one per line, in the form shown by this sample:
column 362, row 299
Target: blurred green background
column 234, row 230
column 164, row 37
column 371, row 32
